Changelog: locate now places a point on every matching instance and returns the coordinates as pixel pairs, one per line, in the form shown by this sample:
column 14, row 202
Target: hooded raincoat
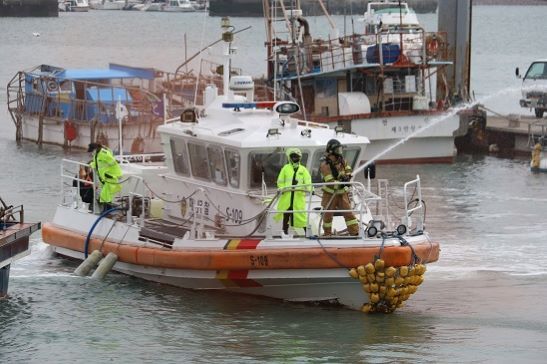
column 108, row 171
column 294, row 174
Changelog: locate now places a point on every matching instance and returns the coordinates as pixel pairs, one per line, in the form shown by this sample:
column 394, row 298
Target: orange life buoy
column 71, row 132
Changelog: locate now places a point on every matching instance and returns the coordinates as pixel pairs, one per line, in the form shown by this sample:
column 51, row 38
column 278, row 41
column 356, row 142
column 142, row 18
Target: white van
column 534, row 87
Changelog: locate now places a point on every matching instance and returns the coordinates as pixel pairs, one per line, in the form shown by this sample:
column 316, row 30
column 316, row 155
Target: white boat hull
column 328, row 283
column 294, row 285
column 427, row 143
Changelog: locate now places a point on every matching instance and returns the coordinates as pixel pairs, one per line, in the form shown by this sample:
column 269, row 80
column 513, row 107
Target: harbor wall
column 29, row 8
column 309, row 7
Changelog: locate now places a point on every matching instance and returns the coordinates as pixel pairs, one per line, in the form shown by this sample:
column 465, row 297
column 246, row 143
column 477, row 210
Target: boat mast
column 227, row 37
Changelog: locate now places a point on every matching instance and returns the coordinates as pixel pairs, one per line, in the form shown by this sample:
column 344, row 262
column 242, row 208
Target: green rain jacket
column 298, row 196
column 108, row 170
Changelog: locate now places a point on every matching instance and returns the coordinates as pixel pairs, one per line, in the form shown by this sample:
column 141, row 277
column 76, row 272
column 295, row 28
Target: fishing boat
column 112, row 4
column 179, row 6
column 74, row 6
column 380, row 81
column 75, row 107
column 14, row 240
column 205, row 216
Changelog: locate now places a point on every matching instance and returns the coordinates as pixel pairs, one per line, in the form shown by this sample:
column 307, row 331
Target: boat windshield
column 267, row 165
column 350, row 155
column 388, row 8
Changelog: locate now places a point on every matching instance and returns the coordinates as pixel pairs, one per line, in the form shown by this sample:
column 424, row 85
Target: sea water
column 483, row 301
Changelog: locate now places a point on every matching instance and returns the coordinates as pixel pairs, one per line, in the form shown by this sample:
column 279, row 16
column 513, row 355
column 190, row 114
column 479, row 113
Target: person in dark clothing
column 86, row 186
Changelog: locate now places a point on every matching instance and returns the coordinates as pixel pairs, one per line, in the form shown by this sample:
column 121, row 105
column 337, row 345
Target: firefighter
column 108, row 172
column 335, row 169
column 293, row 174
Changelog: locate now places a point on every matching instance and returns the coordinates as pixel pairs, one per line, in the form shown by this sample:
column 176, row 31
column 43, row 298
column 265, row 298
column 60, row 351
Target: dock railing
column 8, row 216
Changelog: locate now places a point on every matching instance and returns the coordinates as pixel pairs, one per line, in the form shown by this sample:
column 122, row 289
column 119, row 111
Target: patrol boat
column 203, row 218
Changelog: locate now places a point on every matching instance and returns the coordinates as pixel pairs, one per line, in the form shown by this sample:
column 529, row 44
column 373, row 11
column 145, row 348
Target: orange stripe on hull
column 242, row 259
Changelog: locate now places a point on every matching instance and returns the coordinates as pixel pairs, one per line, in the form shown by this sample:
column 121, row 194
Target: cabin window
column 180, row 157
column 233, row 162
column 268, row 166
column 216, row 165
column 199, row 162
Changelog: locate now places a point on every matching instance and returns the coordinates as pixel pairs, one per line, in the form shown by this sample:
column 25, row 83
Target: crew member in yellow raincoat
column 108, row 172
column 293, row 174
column 336, row 170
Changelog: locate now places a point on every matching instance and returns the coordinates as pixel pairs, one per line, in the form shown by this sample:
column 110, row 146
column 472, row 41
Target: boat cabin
column 90, row 94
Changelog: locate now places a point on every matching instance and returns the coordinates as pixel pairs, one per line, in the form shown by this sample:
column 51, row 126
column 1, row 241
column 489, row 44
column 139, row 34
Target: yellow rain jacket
column 288, row 178
column 108, row 171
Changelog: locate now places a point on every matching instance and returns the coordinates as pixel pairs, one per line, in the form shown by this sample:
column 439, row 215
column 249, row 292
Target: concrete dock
column 515, row 132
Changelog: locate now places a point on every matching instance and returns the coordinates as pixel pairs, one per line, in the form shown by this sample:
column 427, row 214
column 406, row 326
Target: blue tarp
column 93, row 74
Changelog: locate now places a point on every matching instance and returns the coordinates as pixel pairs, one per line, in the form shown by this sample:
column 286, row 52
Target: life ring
column 52, row 86
column 71, row 132
column 137, row 147
column 432, row 45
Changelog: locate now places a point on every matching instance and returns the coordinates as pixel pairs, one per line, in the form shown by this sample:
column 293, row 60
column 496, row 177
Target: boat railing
column 537, row 133
column 133, row 201
column 374, row 51
column 71, row 185
column 49, row 98
column 361, row 196
column 418, row 201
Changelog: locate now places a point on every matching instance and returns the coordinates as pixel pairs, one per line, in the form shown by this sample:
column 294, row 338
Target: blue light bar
column 248, row 105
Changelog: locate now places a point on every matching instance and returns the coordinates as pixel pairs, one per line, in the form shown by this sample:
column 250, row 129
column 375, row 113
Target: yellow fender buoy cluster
column 536, row 153
column 388, row 287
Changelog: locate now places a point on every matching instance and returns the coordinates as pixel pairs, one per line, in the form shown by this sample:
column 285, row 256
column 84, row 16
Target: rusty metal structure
column 14, row 240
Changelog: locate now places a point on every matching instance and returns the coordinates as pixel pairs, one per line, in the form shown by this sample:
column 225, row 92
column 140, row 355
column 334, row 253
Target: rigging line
column 166, row 200
column 115, row 220
column 330, row 255
column 248, row 219
column 415, row 258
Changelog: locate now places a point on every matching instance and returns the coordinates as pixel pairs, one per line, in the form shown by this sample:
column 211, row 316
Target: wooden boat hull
column 54, row 132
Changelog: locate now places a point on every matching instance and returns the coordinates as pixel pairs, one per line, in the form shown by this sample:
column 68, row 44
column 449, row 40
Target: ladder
column 16, row 103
